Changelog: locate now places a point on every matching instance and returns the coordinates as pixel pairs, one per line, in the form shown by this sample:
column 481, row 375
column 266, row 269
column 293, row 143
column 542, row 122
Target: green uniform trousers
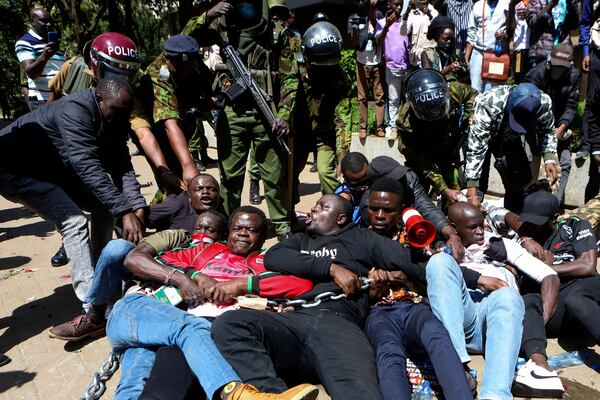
column 236, row 133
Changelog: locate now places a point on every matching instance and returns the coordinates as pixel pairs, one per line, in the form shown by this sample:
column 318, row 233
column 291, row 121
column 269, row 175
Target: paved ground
column 35, row 296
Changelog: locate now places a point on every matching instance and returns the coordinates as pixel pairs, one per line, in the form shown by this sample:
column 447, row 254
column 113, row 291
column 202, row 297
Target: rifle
column 244, row 82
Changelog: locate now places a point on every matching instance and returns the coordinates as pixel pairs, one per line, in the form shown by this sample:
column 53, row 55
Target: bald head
column 468, row 222
column 41, row 21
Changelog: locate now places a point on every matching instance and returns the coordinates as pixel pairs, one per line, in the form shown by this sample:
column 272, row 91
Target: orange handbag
column 493, row 67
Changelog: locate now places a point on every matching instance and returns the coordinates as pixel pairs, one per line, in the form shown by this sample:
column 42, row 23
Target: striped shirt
column 30, row 47
column 459, row 12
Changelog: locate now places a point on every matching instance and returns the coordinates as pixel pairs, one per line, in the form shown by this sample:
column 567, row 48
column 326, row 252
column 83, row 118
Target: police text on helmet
column 122, row 51
column 323, row 38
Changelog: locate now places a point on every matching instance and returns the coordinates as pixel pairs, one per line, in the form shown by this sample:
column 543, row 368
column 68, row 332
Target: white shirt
column 494, row 22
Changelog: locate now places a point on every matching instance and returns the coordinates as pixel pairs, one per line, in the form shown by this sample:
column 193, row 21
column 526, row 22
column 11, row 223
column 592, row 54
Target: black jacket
column 594, row 120
column 357, row 249
column 565, row 96
column 415, row 194
column 67, row 143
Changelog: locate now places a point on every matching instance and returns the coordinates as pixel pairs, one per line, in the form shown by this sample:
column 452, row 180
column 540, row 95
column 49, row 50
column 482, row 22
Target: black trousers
column 171, row 378
column 405, row 327
column 271, row 350
column 593, row 84
column 578, row 307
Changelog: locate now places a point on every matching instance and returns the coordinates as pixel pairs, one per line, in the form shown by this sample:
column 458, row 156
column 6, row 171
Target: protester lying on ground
column 80, row 161
column 110, row 274
column 572, row 251
column 267, row 348
column 415, row 196
column 502, row 259
column 179, row 211
column 218, row 272
column 401, row 324
column 489, row 319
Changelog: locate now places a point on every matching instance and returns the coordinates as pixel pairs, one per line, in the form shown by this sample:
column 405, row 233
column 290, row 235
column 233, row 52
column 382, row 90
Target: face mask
column 558, row 73
column 447, row 47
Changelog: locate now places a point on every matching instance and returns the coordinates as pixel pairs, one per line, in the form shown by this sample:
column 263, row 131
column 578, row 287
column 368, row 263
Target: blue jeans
column 475, row 67
column 491, row 324
column 137, row 321
column 109, row 273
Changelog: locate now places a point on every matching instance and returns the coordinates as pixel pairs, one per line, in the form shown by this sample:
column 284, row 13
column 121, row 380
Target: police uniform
column 311, row 104
column 241, row 126
column 165, row 99
column 432, row 148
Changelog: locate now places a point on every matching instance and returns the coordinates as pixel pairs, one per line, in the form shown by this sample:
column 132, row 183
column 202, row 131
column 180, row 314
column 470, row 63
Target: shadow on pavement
column 80, row 344
column 11, row 214
column 34, row 317
column 14, row 378
column 39, row 229
column 13, row 262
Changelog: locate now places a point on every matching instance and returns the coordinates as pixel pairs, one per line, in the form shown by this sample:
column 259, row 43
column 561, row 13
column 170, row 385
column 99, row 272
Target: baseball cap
column 539, row 207
column 522, row 105
column 562, row 55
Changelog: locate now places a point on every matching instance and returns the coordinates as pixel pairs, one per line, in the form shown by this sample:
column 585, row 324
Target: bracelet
column 169, row 276
column 249, row 284
column 194, row 274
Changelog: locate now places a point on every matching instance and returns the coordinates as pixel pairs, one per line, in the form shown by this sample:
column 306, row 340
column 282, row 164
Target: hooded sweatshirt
column 309, row 256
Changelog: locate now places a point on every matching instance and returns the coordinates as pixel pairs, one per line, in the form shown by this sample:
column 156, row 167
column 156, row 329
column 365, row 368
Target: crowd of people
column 352, row 289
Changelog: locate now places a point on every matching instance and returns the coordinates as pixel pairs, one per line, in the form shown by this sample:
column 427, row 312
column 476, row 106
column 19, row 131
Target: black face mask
column 558, row 73
column 447, row 47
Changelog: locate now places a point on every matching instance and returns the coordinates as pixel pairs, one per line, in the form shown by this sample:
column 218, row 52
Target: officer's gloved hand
column 281, row 128
column 169, row 180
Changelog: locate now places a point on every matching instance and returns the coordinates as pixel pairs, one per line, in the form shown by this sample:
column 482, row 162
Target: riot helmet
column 427, row 93
column 116, row 54
column 322, row 44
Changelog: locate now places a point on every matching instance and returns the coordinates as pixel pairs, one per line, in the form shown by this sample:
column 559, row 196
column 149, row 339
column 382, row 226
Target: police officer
column 432, row 126
column 245, row 26
column 310, row 95
column 176, row 89
column 504, row 118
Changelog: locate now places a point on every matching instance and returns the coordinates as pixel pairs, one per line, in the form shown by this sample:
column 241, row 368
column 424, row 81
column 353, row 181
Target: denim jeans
column 491, row 324
column 137, row 321
column 54, row 205
column 395, row 81
column 109, row 273
column 475, row 67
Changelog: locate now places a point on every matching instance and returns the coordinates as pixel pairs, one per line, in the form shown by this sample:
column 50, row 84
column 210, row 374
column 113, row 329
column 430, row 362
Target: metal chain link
column 325, row 296
column 98, row 386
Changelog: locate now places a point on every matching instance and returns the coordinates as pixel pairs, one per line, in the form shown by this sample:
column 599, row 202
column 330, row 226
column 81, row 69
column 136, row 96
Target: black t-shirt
column 174, row 212
column 571, row 238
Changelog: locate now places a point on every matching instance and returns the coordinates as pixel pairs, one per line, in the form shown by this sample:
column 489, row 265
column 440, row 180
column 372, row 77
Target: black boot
column 255, row 193
column 313, row 168
column 60, row 258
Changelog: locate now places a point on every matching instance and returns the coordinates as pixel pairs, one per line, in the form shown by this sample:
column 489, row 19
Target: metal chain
column 98, row 386
column 325, row 296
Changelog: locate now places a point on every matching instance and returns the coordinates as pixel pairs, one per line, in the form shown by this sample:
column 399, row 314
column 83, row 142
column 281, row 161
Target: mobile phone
column 53, row 37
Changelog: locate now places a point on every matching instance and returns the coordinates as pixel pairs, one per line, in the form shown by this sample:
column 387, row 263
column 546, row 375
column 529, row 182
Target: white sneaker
column 535, row 381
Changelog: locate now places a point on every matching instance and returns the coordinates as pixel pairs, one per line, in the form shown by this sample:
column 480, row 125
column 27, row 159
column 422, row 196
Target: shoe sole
column 521, row 390
column 55, row 265
column 255, row 203
column 310, row 393
column 93, row 334
column 6, row 361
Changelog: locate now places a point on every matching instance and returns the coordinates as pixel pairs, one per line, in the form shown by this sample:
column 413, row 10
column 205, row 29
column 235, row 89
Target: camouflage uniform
column 432, row 148
column 241, row 126
column 311, row 104
column 489, row 132
column 163, row 99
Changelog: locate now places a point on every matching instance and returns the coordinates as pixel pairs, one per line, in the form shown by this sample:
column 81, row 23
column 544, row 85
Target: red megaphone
column 419, row 232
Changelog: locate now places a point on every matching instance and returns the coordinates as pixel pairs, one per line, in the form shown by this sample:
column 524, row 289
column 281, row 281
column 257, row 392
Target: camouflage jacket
column 164, row 99
column 487, row 124
column 311, row 103
column 432, row 148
